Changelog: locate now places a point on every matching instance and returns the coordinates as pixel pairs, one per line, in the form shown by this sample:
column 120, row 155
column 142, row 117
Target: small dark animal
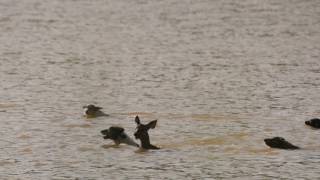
column 91, row 111
column 143, row 135
column 279, row 142
column 118, row 135
column 315, row 122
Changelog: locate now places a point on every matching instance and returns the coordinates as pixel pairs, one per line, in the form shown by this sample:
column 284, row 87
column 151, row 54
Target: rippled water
column 220, row 76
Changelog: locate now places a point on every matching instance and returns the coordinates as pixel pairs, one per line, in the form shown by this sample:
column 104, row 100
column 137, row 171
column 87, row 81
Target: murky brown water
column 219, row 75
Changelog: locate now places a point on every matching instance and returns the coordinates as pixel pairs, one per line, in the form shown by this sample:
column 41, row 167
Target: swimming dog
column 118, row 136
column 315, row 122
column 280, row 143
column 92, row 111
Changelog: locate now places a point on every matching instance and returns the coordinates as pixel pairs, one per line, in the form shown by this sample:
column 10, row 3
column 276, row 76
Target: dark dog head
column 118, row 135
column 105, row 134
column 313, row 123
column 142, row 133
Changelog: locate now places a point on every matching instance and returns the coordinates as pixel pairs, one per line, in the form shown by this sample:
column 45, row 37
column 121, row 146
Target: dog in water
column 92, row 111
column 280, row 143
column 315, row 122
column 143, row 135
column 118, row 136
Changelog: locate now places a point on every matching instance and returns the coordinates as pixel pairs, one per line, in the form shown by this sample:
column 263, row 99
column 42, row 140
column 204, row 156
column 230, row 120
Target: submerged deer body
column 143, row 135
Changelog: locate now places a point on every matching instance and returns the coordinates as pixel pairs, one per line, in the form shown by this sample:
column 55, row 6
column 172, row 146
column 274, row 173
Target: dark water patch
column 108, row 146
column 8, row 162
column 86, row 149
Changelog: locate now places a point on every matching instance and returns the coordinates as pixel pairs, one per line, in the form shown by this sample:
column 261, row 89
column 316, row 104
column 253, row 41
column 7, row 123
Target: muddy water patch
column 71, row 126
column 209, row 141
column 9, row 105
column 24, row 136
column 8, row 162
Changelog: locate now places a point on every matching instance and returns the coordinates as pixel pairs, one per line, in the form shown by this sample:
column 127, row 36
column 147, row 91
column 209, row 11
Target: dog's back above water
column 280, row 143
column 92, row 111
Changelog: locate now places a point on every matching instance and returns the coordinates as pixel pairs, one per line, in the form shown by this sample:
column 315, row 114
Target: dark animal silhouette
column 280, row 143
column 143, row 135
column 91, row 111
column 315, row 122
column 118, row 135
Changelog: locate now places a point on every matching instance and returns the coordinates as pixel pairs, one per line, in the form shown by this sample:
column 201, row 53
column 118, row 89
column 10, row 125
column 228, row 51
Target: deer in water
column 142, row 133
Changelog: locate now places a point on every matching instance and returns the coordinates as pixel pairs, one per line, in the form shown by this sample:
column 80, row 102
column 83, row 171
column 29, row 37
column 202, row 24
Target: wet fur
column 280, row 143
column 315, row 123
column 118, row 136
column 92, row 111
column 143, row 135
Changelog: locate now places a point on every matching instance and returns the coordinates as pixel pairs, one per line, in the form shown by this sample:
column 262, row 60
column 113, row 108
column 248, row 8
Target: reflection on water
column 220, row 76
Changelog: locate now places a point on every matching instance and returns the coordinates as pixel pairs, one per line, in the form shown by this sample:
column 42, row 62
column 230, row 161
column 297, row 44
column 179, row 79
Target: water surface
column 220, row 76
